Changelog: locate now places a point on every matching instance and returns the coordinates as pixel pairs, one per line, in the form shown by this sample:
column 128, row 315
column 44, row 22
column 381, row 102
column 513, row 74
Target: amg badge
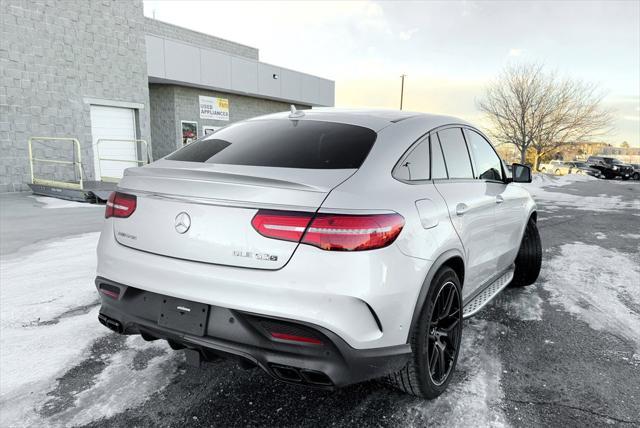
column 257, row 256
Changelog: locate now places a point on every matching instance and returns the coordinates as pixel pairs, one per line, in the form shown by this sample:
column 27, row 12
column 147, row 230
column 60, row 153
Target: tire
column 557, row 172
column 636, row 176
column 543, row 170
column 529, row 259
column 421, row 377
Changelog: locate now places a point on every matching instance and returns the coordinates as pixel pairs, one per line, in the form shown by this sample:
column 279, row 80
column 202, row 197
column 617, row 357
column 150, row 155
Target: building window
column 189, row 131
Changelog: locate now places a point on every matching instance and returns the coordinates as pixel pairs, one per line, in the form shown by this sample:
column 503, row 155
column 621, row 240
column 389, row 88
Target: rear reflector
column 110, row 290
column 294, row 338
column 333, row 232
column 120, row 205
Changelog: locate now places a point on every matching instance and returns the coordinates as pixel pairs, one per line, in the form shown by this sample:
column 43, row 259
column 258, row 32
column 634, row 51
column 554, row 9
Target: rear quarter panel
column 428, row 231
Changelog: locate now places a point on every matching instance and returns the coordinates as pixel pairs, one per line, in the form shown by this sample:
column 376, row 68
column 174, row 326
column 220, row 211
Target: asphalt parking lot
column 565, row 351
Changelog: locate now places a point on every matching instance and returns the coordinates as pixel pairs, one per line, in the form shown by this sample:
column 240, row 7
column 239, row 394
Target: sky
column 449, row 51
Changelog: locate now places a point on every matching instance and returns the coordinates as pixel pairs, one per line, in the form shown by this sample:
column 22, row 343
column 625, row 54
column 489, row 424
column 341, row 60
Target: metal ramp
column 92, row 191
column 71, row 185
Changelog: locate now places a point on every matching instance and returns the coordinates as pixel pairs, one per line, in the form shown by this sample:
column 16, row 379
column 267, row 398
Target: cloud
column 406, row 35
column 365, row 45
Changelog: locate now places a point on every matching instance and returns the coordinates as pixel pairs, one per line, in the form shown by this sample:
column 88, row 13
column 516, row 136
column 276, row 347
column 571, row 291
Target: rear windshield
column 283, row 143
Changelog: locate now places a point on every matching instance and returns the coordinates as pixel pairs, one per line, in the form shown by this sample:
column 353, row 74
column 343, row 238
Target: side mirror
column 520, row 173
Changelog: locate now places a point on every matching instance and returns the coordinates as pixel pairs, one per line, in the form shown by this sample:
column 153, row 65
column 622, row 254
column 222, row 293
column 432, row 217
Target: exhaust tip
column 289, row 374
column 110, row 323
column 298, row 375
column 316, row 377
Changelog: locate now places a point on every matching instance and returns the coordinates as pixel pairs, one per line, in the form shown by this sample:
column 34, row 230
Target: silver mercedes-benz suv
column 325, row 246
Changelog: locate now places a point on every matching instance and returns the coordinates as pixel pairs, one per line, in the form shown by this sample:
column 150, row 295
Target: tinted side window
column 283, row 143
column 416, row 165
column 455, row 153
column 438, row 168
column 488, row 164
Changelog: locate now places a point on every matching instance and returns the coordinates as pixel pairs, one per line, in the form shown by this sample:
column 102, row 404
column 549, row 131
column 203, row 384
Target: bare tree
column 540, row 112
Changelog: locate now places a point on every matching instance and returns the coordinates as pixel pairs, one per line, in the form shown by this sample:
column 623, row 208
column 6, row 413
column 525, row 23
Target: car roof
column 375, row 119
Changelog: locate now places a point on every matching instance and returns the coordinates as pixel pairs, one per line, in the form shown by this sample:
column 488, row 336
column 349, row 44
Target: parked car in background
column 636, row 171
column 327, row 247
column 610, row 167
column 583, row 169
column 556, row 167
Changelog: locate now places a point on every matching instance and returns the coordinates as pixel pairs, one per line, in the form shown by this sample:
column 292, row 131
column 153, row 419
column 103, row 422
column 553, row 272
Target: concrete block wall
column 167, row 134
column 163, row 114
column 162, row 29
column 53, row 55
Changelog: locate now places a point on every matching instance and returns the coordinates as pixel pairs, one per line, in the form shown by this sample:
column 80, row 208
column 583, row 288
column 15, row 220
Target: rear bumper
column 245, row 336
column 367, row 298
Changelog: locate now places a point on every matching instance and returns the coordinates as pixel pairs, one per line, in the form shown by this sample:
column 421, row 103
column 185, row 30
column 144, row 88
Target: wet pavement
column 564, row 351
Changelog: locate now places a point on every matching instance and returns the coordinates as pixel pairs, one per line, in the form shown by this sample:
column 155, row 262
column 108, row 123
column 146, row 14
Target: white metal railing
column 76, row 162
column 138, row 161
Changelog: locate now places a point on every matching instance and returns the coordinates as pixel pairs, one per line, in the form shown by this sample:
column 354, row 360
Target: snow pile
column 546, row 180
column 120, row 386
column 599, row 286
column 48, row 322
column 37, row 291
column 523, row 303
column 475, row 400
column 554, row 200
column 55, row 203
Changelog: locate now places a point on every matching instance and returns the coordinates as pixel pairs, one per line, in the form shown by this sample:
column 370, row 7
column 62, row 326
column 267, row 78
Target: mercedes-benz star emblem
column 183, row 222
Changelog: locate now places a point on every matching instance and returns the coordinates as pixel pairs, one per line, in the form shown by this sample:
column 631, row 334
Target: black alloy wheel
column 444, row 333
column 435, row 339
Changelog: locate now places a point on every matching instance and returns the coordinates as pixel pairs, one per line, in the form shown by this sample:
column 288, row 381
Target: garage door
column 113, row 123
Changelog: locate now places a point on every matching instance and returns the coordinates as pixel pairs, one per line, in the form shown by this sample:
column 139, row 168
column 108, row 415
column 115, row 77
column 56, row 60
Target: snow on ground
column 523, row 303
column 598, row 285
column 48, row 320
column 546, row 180
column 474, row 400
column 121, row 386
column 542, row 184
column 554, row 200
column 55, row 203
column 37, row 290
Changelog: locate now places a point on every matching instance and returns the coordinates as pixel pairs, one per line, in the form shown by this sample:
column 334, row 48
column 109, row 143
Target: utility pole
column 402, row 76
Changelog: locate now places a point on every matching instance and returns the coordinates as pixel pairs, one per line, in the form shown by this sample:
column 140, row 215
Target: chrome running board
column 481, row 299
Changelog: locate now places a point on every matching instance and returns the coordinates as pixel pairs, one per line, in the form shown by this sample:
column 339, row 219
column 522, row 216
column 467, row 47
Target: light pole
column 402, row 76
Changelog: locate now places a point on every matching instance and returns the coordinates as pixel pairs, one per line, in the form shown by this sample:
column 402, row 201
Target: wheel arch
column 451, row 258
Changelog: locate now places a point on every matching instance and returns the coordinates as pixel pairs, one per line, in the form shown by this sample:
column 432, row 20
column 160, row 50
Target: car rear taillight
column 284, row 225
column 337, row 232
column 120, row 205
column 333, row 232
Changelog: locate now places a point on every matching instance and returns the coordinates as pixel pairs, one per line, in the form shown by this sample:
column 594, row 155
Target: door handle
column 461, row 209
column 499, row 199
